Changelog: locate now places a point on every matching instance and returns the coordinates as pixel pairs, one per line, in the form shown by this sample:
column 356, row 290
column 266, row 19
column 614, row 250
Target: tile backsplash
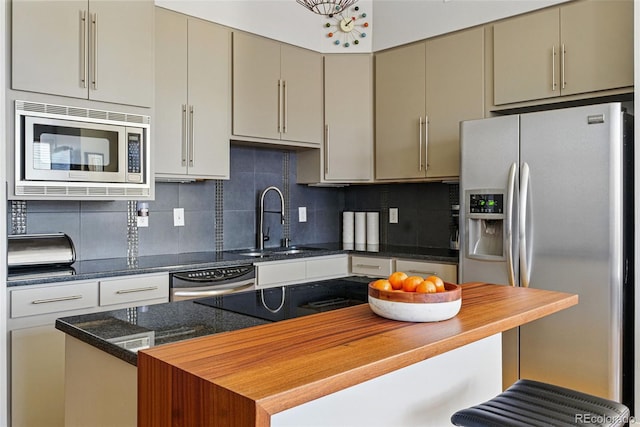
column 228, row 210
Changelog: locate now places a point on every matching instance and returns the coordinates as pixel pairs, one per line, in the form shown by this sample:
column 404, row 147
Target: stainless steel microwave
column 71, row 152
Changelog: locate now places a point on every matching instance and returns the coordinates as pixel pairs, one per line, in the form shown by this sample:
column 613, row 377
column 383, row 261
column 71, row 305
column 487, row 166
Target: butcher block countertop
column 243, row 377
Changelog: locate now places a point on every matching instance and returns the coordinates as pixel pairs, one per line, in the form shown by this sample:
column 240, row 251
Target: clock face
column 347, row 27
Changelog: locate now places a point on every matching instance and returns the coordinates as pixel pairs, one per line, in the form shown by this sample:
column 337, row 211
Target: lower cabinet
column 371, row 266
column 383, row 267
column 37, row 349
column 289, row 272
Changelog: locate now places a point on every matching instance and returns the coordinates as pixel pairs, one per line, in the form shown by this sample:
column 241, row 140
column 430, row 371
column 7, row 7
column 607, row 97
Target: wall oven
column 70, row 151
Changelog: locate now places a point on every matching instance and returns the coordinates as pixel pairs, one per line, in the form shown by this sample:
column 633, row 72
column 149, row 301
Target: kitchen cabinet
column 447, row 272
column 192, row 97
column 37, row 349
column 347, row 153
column 578, row 48
column 97, row 50
column 277, row 92
column 423, row 91
column 371, row 266
column 290, row 272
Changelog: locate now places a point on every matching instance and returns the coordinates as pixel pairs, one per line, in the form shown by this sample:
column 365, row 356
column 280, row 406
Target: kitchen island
column 291, row 371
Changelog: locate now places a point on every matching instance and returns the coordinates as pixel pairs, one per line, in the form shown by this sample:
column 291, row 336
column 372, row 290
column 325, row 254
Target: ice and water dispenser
column 485, row 218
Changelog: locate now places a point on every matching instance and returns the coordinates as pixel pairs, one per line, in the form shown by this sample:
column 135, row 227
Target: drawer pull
column 46, row 301
column 426, row 273
column 377, row 267
column 129, row 291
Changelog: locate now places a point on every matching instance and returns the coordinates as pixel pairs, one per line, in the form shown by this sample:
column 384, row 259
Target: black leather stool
column 532, row 403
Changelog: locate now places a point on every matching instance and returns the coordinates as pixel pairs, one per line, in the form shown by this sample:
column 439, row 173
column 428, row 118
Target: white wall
column 392, row 22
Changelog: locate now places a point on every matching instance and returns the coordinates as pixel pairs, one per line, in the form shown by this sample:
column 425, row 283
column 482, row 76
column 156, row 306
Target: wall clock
column 347, row 27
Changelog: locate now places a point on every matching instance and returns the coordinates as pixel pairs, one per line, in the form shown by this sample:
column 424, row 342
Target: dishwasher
column 208, row 282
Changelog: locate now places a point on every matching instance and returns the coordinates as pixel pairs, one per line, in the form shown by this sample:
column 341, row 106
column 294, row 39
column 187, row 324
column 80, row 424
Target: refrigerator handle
column 525, row 257
column 509, row 226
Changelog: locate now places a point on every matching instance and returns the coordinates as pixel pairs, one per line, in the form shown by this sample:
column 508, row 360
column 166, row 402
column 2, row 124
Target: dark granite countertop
column 162, row 323
column 110, row 267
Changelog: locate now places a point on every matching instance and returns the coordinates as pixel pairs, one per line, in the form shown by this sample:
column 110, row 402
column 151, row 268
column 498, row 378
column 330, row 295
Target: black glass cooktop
column 287, row 302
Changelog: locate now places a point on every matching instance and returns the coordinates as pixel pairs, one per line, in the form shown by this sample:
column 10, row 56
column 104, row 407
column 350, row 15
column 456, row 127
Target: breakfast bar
column 278, row 374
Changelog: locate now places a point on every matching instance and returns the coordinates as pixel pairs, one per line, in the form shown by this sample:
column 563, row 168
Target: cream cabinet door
column 193, row 78
column 400, row 111
column 526, row 57
column 301, row 73
column 100, row 50
column 256, row 90
column 597, row 38
column 455, row 92
column 348, row 115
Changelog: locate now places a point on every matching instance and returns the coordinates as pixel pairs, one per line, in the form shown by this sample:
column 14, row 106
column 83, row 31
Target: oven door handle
column 212, row 292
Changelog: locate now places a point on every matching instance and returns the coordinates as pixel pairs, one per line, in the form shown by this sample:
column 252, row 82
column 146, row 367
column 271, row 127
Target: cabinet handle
column 191, row 139
column 424, row 273
column 420, row 143
column 279, row 106
column 60, row 299
column 285, row 107
column 426, row 142
column 184, row 135
column 326, row 149
column 562, row 76
column 130, row 291
column 83, row 49
column 94, row 22
column 553, row 68
column 376, row 267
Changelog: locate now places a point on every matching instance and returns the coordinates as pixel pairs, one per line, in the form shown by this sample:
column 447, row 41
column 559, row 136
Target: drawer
column 447, row 272
column 52, row 299
column 134, row 288
column 280, row 273
column 371, row 266
column 329, row 267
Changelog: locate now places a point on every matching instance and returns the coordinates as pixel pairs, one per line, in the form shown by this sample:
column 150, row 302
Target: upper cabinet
column 347, row 153
column 98, row 50
column 578, row 48
column 192, row 97
column 423, row 91
column 277, row 91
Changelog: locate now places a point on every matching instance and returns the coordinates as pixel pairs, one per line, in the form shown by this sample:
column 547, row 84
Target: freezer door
column 573, row 230
column 489, row 149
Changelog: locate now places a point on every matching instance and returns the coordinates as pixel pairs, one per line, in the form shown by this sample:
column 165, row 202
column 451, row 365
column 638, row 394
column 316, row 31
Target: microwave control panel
column 134, row 153
column 486, row 203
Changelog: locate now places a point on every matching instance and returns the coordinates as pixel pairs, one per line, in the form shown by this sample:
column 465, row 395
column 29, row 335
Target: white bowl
column 416, row 307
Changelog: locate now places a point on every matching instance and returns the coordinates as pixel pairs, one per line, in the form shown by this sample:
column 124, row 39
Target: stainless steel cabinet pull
column 424, row 273
column 279, row 106
column 184, row 135
column 94, row 22
column 191, row 140
column 83, row 49
column 285, row 107
column 377, row 267
column 326, row 149
column 60, row 299
column 129, row 291
column 426, row 142
column 553, row 68
column 420, row 143
column 562, row 76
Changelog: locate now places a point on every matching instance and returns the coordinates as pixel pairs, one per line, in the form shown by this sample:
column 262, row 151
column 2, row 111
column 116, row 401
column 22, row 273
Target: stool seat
column 532, row 403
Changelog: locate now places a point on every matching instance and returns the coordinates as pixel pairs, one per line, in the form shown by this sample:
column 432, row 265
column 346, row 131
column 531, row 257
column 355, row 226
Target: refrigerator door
column 489, row 164
column 574, row 244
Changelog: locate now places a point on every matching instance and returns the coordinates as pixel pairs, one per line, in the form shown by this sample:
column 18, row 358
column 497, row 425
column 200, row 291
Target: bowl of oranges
column 414, row 298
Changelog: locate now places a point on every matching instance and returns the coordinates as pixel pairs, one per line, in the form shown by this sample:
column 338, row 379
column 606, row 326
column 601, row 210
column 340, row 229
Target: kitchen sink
column 264, row 253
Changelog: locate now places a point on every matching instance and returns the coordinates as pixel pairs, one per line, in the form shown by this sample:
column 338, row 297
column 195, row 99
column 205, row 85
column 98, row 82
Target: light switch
column 302, row 214
column 178, row 217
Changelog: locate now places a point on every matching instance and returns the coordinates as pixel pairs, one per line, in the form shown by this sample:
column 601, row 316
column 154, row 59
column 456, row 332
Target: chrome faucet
column 261, row 237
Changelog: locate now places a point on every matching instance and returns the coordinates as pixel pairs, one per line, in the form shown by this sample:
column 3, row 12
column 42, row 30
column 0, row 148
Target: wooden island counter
column 261, row 375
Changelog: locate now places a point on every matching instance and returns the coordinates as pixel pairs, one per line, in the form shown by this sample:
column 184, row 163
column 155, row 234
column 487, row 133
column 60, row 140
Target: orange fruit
column 409, row 284
column 438, row 282
column 396, row 279
column 427, row 287
column 382, row 284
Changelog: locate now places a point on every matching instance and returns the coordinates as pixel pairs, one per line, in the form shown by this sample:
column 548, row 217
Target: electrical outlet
column 302, row 214
column 178, row 217
column 393, row 215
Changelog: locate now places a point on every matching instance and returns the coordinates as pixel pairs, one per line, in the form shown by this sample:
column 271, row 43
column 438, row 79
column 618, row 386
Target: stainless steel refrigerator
column 546, row 201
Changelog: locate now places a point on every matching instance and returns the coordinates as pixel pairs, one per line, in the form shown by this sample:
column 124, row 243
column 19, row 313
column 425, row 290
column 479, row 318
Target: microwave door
column 66, row 150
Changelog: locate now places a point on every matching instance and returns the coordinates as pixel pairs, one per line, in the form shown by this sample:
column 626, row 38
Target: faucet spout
column 261, row 236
